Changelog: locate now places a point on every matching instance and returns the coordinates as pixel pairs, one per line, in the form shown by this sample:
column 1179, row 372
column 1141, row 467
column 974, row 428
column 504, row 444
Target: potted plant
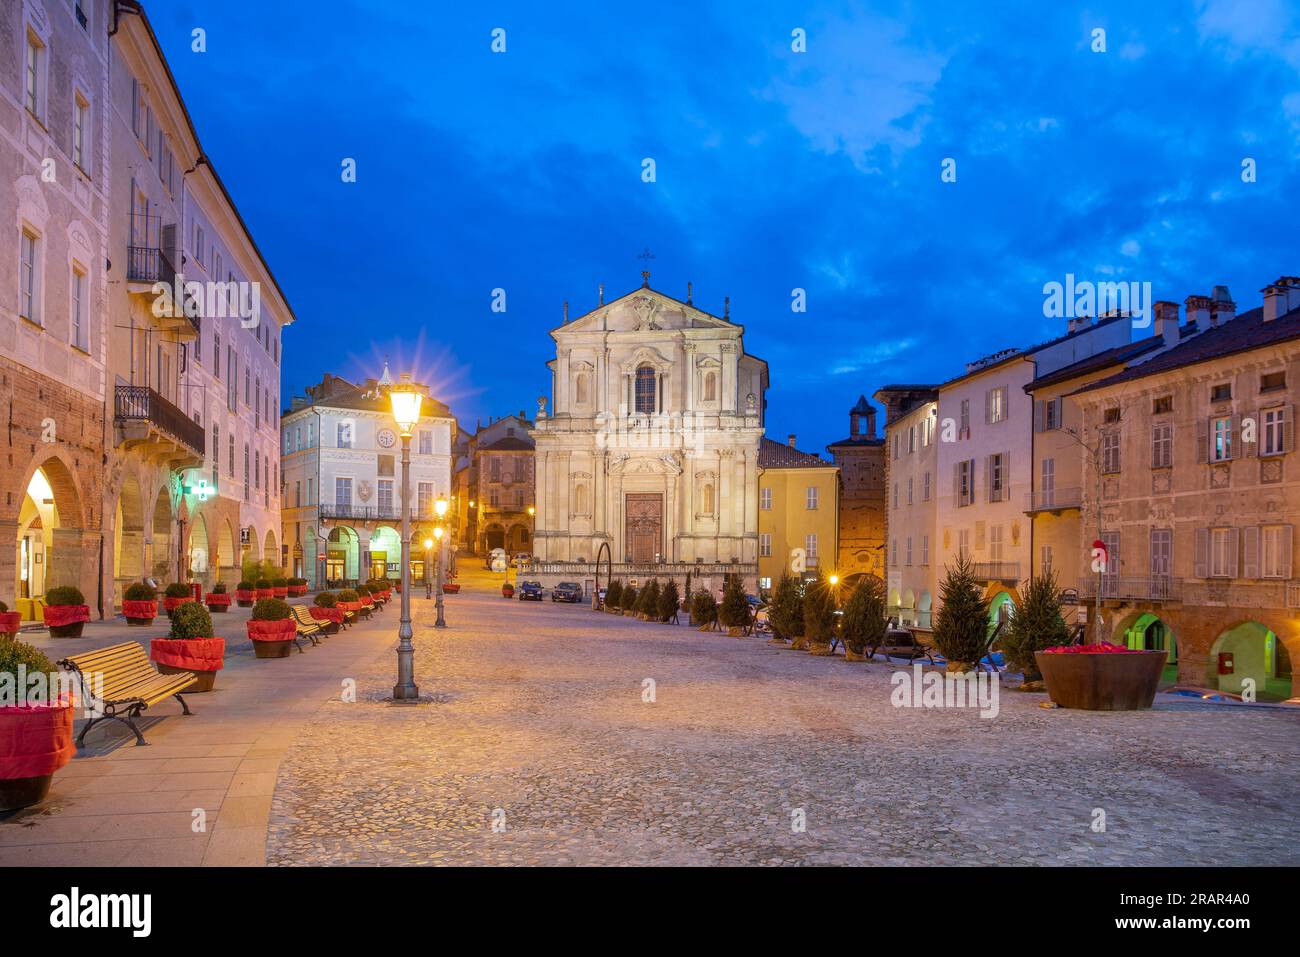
column 367, row 603
column 326, row 611
column 1101, row 677
column 191, row 646
column 279, row 588
column 613, row 595
column 733, row 613
column 704, row 610
column 10, row 622
column 819, row 616
column 66, row 612
column 217, row 600
column 175, row 595
column 348, row 600
column 627, row 599
column 245, row 594
column 507, row 590
column 271, row 628
column 647, row 602
column 35, row 732
column 265, row 589
column 139, row 604
column 297, row 587
column 864, row 623
column 785, row 612
column 1036, row 626
column 961, row 625
column 669, row 601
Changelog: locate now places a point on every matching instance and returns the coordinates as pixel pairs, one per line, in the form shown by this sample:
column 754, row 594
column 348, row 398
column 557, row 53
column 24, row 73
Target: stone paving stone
column 538, row 711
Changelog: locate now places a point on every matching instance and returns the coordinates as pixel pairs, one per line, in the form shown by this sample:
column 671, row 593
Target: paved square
column 536, row 722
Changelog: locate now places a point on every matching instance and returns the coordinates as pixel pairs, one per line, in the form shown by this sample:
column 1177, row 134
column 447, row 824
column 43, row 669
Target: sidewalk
column 119, row 804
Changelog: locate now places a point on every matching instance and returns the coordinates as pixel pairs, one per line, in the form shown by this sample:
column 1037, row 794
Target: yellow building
column 798, row 512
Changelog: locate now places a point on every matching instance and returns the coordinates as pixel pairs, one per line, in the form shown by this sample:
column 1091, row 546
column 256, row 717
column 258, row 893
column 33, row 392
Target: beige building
column 1199, row 489
column 651, row 447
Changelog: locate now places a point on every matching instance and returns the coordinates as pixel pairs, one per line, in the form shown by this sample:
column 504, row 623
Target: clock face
column 386, row 438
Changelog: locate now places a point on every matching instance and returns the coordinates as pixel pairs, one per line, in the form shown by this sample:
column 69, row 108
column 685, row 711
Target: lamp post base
column 405, row 692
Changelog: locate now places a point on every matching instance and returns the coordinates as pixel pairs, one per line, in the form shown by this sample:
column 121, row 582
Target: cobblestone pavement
column 534, row 719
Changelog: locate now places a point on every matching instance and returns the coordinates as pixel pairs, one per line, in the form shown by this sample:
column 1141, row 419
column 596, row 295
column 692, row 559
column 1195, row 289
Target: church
column 651, row 444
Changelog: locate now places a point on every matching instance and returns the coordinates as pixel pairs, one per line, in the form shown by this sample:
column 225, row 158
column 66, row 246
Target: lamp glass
column 437, row 533
column 428, row 543
column 406, row 407
column 440, row 506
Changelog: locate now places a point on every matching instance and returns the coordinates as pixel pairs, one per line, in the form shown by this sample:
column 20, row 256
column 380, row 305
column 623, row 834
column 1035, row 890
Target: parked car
column 567, row 591
column 521, row 559
column 530, row 591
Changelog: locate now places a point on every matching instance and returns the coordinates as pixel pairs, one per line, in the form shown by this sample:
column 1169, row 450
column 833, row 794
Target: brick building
column 861, row 460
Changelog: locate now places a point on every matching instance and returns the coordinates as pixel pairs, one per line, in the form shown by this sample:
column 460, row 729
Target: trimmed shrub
column 961, row 625
column 177, row 590
column 3, row 608
column 348, row 594
column 613, row 594
column 65, row 595
column 245, row 585
column 704, row 610
column 864, row 623
column 271, row 609
column 734, row 610
column 279, row 583
column 627, row 600
column 139, row 591
column 326, row 599
column 15, row 653
column 819, row 611
column 219, row 588
column 191, row 620
column 668, row 601
column 265, row 583
column 647, row 602
column 297, row 581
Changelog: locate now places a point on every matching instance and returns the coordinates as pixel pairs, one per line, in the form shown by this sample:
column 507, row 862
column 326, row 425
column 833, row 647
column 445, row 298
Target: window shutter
column 956, row 483
column 1286, row 552
column 1234, row 551
column 971, row 471
column 1201, row 562
column 988, row 406
column 1059, row 419
column 1006, row 476
column 1250, row 554
column 1039, row 411
column 988, row 478
column 1288, row 416
column 1203, row 441
column 1005, row 393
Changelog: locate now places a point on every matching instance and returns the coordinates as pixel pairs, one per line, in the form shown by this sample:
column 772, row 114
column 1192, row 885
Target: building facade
column 342, row 460
column 861, row 460
column 798, row 513
column 500, row 486
column 651, row 447
column 911, row 471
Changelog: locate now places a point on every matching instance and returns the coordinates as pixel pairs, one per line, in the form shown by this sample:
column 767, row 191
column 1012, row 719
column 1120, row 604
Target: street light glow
column 428, row 543
column 406, row 402
column 438, row 533
column 440, row 506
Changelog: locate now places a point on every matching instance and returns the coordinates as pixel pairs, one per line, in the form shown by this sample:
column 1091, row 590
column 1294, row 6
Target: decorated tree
column 1036, row 624
column 961, row 625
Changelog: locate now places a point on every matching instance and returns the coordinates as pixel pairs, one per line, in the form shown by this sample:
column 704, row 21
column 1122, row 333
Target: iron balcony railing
column 374, row 513
column 149, row 264
column 625, row 570
column 137, row 403
column 996, row 571
column 1046, row 500
column 1293, row 594
column 1124, row 588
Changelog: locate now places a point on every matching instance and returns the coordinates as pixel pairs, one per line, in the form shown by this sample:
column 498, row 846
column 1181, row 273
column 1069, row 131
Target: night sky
column 775, row 170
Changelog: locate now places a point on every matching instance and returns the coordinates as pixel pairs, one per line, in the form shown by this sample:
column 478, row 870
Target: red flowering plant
column 1100, row 648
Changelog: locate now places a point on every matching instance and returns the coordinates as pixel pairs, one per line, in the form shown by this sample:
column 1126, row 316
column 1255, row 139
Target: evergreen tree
column 961, row 625
column 704, row 608
column 627, row 600
column 647, row 603
column 785, row 611
column 668, row 601
column 1037, row 624
column 819, row 611
column 734, row 612
column 863, row 624
column 613, row 592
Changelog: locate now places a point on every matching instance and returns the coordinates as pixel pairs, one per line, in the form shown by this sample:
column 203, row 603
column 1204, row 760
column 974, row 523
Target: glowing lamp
column 406, row 401
column 438, row 533
column 440, row 506
column 428, row 543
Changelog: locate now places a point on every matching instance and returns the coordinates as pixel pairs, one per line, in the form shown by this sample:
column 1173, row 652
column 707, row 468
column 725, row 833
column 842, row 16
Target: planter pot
column 297, row 590
column 820, row 648
column 218, row 609
column 272, row 639
column 139, row 613
column 1102, row 682
column 34, row 743
column 450, row 589
column 264, row 593
column 280, row 592
column 10, row 622
column 272, row 649
column 202, row 657
column 171, row 604
column 245, row 597
column 733, row 631
column 66, row 621
column 959, row 667
column 799, row 644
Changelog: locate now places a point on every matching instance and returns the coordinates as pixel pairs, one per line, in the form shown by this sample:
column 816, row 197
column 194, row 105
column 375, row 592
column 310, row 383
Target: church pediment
column 644, row 310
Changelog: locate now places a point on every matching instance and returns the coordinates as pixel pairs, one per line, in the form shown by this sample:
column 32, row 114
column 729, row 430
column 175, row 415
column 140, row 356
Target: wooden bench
column 119, row 682
column 308, row 627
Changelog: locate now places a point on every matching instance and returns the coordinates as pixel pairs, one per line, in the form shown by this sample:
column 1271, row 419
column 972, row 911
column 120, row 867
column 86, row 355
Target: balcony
column 1053, row 500
column 146, row 423
column 390, row 514
column 1161, row 588
column 996, row 571
column 151, row 259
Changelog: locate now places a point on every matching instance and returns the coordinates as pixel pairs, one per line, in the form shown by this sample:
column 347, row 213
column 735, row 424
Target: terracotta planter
column 139, row 613
column 10, row 622
column 171, row 604
column 507, row 591
column 66, row 621
column 272, row 649
column 1102, row 682
column 297, row 590
column 331, row 619
column 34, row 743
column 203, row 657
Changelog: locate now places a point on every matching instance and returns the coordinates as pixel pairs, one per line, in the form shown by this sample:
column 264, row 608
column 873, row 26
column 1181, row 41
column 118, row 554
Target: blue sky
column 775, row 170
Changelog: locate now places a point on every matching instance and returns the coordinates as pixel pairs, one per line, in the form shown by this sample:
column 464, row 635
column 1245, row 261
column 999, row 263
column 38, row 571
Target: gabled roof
column 862, row 407
column 857, row 441
column 642, row 290
column 1241, row 334
column 777, row 455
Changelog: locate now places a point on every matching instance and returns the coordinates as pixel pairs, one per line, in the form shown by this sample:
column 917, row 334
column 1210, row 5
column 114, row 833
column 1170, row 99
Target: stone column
column 562, row 382
column 728, row 384
column 9, row 563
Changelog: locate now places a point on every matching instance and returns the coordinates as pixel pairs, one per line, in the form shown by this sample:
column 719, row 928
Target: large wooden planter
column 331, row 619
column 66, row 621
column 139, row 613
column 450, row 588
column 35, row 742
column 1115, row 681
column 272, row 639
column 261, row 593
column 10, row 622
column 203, row 657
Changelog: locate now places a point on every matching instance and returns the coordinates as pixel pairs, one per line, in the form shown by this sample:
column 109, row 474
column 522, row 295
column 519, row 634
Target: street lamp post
column 428, row 560
column 406, row 403
column 440, row 508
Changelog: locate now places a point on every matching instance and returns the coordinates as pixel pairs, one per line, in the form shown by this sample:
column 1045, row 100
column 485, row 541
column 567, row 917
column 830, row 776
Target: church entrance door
column 645, row 524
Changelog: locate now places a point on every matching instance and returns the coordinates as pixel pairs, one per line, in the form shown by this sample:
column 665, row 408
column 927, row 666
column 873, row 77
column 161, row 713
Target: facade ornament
column 751, row 403
column 646, row 309
column 541, row 407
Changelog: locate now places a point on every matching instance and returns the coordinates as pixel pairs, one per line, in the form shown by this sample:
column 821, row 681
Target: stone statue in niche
column 541, row 406
column 751, row 403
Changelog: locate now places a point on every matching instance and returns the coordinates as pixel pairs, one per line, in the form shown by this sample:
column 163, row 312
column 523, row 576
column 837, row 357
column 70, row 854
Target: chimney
column 1222, row 308
column 1274, row 301
column 1292, row 285
column 790, row 440
column 602, row 294
column 1198, row 311
column 1166, row 321
column 521, row 415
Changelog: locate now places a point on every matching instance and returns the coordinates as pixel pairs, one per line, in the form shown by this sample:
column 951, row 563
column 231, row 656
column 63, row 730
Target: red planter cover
column 190, row 654
column 367, row 600
column 245, row 594
column 10, row 622
column 217, row 598
column 450, row 588
column 327, row 614
column 280, row 592
column 56, row 615
column 387, row 594
column 349, row 605
column 171, row 604
column 281, row 630
column 139, row 609
column 35, row 740
column 297, row 590
column 1101, row 648
column 264, row 593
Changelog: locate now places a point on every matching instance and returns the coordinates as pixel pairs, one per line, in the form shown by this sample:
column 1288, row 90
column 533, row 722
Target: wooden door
column 644, row 513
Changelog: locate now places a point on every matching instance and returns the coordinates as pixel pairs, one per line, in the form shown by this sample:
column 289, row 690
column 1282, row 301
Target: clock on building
column 386, row 438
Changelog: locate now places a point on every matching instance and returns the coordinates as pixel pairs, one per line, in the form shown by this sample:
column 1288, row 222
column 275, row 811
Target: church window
column 645, row 389
column 580, row 389
column 707, row 498
column 580, row 499
column 710, row 387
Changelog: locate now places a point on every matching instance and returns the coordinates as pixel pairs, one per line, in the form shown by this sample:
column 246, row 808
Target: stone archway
column 1256, row 653
column 52, row 546
column 342, row 555
column 271, row 551
column 161, row 550
column 518, row 539
column 494, row 536
column 128, row 537
column 200, row 552
column 227, row 553
column 1146, row 630
column 385, row 553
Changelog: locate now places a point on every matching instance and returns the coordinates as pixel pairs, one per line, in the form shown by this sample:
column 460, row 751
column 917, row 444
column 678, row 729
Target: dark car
column 567, row 591
column 530, row 591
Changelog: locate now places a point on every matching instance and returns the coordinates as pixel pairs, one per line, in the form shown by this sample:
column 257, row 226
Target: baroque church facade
column 651, row 444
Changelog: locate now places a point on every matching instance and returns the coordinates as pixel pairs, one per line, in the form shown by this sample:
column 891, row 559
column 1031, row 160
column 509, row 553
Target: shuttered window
column 1162, row 445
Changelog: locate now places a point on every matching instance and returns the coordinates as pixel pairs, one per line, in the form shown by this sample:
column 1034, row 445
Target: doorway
column 644, row 513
